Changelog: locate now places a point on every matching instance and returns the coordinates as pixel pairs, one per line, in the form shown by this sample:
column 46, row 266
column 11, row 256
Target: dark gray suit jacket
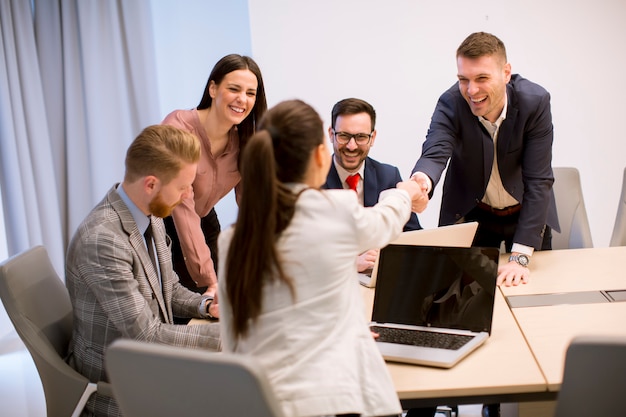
column 377, row 177
column 524, row 153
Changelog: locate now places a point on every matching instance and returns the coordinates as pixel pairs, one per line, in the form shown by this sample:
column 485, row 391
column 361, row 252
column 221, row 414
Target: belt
column 507, row 211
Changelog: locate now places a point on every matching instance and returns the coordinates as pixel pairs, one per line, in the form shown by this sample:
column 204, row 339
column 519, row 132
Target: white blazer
column 317, row 349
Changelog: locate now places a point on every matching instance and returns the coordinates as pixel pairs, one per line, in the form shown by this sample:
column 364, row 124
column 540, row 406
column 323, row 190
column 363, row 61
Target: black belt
column 507, row 211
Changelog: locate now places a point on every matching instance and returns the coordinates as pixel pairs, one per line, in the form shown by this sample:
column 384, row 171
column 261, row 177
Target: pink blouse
column 215, row 178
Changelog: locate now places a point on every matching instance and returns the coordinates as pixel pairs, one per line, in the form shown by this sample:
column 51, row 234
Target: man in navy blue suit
column 352, row 133
column 493, row 130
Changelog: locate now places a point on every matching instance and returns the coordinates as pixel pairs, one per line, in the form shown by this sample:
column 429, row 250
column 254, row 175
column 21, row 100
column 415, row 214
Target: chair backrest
column 150, row 379
column 594, row 377
column 38, row 304
column 619, row 230
column 570, row 207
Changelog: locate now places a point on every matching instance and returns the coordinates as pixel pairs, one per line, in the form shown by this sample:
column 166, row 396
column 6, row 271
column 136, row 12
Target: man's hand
column 366, row 260
column 419, row 198
column 512, row 274
column 422, row 180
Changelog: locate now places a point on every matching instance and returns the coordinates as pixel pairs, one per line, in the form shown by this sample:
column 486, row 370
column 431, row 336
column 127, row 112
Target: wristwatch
column 208, row 306
column 521, row 259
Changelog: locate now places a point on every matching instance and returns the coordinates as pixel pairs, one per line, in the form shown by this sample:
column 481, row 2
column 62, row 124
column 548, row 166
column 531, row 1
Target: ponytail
column 278, row 154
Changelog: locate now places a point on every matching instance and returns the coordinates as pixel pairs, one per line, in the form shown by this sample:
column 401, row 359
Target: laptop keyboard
column 420, row 338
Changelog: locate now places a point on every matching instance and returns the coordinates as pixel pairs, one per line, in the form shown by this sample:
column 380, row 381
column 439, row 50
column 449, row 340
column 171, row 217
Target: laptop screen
column 446, row 287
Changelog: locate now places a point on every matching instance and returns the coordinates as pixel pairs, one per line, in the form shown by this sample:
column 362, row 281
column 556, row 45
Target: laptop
column 461, row 234
column 442, row 294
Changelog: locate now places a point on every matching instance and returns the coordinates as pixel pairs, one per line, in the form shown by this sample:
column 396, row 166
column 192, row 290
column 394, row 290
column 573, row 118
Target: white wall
column 190, row 37
column 399, row 55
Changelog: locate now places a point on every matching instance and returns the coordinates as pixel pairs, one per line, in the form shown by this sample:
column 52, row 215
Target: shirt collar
column 141, row 219
column 500, row 118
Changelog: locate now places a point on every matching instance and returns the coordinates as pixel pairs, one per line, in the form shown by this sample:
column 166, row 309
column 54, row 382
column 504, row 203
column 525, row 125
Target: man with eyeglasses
column 352, row 133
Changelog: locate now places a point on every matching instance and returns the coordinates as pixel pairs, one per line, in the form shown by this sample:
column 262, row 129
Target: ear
column 373, row 138
column 330, row 134
column 150, row 184
column 212, row 89
column 321, row 154
column 507, row 72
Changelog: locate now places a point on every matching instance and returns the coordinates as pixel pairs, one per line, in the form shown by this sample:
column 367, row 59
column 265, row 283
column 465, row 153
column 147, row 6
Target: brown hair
column 224, row 66
column 278, row 154
column 160, row 150
column 481, row 44
column 349, row 106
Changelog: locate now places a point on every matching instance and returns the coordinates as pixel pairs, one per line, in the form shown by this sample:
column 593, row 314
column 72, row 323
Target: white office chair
column 570, row 207
column 150, row 379
column 594, row 377
column 619, row 230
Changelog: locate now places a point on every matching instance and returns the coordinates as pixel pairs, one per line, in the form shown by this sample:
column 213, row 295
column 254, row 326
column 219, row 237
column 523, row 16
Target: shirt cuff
column 202, row 307
column 429, row 183
column 519, row 248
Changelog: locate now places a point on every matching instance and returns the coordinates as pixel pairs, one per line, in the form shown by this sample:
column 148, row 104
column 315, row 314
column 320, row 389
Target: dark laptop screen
column 445, row 287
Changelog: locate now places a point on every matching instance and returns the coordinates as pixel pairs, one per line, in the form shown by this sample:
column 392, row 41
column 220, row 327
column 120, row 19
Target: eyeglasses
column 360, row 138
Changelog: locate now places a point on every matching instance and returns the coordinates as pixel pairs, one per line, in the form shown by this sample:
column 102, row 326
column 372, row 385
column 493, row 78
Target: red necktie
column 352, row 181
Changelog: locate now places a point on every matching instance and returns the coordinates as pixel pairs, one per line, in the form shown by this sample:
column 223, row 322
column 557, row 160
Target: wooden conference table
column 523, row 359
column 569, row 295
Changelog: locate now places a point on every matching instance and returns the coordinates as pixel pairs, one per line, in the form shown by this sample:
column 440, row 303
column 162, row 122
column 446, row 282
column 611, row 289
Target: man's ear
column 507, row 72
column 373, row 139
column 330, row 134
column 150, row 184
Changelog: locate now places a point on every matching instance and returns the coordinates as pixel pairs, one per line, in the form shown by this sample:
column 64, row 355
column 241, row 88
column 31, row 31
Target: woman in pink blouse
column 233, row 101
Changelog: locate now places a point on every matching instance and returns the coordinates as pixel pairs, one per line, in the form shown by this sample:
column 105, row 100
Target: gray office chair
column 619, row 230
column 594, row 377
column 570, row 207
column 150, row 379
column 39, row 307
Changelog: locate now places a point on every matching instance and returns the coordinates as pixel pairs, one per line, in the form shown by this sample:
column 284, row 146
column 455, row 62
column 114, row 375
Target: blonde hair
column 161, row 150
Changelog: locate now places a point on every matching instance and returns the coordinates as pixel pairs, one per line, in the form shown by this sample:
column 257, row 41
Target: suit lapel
column 506, row 133
column 370, row 184
column 332, row 179
column 137, row 242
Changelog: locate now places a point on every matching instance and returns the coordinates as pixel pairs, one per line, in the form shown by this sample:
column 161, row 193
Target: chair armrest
column 104, row 388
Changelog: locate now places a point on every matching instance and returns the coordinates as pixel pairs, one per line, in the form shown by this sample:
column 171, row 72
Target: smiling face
column 235, row 96
column 351, row 155
column 482, row 82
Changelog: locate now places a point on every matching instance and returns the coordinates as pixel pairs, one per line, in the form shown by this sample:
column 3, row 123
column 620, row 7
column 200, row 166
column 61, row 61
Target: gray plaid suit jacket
column 115, row 293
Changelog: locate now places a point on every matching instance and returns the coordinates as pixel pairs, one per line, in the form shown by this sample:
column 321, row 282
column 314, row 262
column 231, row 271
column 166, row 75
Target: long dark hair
column 226, row 65
column 278, row 154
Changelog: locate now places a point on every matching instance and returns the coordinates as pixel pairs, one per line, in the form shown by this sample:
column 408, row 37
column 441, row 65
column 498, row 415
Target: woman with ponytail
column 289, row 293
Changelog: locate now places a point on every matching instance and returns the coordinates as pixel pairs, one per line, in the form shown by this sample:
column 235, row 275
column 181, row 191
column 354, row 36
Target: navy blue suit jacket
column 377, row 177
column 524, row 153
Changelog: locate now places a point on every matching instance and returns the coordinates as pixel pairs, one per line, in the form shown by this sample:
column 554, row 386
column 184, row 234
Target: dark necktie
column 150, row 243
column 352, row 181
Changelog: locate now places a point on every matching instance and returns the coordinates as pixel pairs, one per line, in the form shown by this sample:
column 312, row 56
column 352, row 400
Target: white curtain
column 77, row 84
column 30, row 196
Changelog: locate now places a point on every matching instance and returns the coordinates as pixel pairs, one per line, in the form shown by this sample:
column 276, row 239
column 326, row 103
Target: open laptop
column 461, row 235
column 438, row 293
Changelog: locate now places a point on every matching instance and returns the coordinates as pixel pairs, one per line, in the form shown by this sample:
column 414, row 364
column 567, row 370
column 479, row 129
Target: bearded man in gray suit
column 117, row 289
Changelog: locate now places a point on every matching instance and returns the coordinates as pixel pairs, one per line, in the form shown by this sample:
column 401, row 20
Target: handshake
column 418, row 188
